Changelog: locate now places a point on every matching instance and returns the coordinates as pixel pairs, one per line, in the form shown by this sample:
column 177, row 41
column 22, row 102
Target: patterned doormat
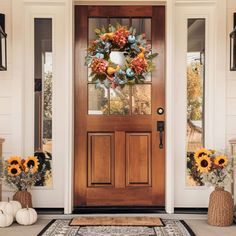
column 170, row 228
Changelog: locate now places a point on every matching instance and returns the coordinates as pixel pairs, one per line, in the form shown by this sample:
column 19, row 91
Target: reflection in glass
column 195, row 91
column 148, row 77
column 43, row 96
column 141, row 99
column 119, row 101
column 121, row 21
column 97, row 100
column 143, row 25
column 96, row 23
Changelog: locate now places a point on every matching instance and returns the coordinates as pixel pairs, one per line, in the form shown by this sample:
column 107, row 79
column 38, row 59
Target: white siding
column 230, row 80
column 6, row 94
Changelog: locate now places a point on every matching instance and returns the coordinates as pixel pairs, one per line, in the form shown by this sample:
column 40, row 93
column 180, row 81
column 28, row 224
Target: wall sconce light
column 3, row 44
column 233, row 47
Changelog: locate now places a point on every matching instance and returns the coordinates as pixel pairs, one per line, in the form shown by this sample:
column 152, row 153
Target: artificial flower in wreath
column 137, row 52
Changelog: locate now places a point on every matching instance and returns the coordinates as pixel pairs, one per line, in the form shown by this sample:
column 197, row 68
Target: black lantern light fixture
column 233, row 47
column 3, row 44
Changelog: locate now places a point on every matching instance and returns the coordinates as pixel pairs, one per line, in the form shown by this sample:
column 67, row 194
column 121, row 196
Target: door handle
column 160, row 129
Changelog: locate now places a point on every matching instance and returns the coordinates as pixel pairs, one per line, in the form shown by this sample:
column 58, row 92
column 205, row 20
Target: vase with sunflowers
column 215, row 169
column 21, row 174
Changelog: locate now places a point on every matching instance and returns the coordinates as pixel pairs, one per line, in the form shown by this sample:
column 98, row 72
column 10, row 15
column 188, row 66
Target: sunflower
column 203, row 164
column 31, row 163
column 221, row 161
column 201, row 152
column 14, row 160
column 14, row 170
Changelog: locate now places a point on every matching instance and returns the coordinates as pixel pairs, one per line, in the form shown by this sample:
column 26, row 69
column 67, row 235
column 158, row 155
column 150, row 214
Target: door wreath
column 137, row 52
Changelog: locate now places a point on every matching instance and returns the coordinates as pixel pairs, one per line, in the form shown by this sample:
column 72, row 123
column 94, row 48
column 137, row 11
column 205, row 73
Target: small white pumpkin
column 26, row 216
column 5, row 219
column 6, row 207
column 10, row 207
column 16, row 206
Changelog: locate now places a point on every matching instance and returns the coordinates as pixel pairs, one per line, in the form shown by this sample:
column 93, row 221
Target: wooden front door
column 118, row 157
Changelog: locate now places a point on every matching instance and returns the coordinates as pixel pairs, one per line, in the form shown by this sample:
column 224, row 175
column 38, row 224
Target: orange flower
column 99, row 65
column 139, row 65
column 120, row 37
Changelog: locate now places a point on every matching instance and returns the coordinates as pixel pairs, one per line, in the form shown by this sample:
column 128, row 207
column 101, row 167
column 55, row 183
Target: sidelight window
column 195, row 92
column 43, row 93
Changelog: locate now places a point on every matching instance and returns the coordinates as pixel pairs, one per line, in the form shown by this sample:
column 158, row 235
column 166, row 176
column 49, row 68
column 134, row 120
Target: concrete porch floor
column 197, row 223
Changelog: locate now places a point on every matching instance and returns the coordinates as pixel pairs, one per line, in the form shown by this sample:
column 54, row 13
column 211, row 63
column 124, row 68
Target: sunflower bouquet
column 213, row 168
column 22, row 173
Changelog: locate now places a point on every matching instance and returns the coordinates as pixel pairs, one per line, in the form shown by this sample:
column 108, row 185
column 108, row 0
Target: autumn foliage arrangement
column 212, row 168
column 137, row 52
column 22, row 173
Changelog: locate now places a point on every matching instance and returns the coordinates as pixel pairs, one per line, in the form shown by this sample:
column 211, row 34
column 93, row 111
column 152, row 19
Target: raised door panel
column 138, row 155
column 100, row 159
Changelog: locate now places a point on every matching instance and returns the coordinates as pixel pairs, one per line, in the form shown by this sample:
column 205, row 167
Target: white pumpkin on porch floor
column 16, row 206
column 7, row 208
column 5, row 219
column 10, row 207
column 26, row 216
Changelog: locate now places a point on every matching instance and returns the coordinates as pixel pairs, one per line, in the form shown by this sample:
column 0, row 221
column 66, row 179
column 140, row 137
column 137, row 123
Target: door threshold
column 118, row 209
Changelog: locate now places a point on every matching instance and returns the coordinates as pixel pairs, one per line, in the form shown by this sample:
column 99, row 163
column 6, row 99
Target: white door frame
column 169, row 170
column 214, row 13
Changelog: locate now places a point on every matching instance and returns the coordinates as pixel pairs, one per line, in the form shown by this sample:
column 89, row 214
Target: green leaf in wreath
column 141, row 78
column 150, row 66
column 94, row 79
column 131, row 81
column 88, row 60
column 103, row 30
column 97, row 31
column 92, row 74
column 111, row 28
column 150, row 57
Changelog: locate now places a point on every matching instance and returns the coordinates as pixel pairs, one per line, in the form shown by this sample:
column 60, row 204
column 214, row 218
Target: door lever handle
column 160, row 129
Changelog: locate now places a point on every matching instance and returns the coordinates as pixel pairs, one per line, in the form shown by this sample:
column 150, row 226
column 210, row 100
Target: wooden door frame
column 169, row 109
